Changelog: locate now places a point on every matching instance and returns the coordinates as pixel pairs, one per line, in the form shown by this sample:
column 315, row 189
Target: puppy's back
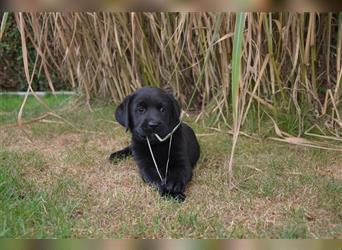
column 193, row 148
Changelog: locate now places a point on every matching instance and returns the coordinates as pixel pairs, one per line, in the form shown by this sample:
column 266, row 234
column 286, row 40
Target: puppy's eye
column 141, row 109
column 162, row 109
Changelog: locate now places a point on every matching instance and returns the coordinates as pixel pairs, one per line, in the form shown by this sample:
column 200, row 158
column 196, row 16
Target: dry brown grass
column 291, row 62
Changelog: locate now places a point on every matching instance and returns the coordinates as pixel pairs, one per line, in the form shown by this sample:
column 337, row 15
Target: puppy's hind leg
column 121, row 154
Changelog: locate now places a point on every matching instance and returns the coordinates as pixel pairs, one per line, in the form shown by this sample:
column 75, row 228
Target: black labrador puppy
column 165, row 149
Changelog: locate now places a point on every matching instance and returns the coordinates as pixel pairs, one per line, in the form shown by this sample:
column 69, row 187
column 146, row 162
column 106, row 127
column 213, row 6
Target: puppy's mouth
column 155, row 135
column 142, row 135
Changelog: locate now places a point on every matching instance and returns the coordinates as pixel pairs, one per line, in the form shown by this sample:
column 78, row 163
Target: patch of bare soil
column 56, row 149
column 331, row 171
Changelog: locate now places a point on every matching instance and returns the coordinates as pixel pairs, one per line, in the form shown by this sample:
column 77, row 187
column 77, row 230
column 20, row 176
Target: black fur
column 152, row 110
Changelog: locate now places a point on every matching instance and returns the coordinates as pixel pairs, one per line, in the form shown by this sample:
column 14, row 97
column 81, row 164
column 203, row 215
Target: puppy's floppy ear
column 176, row 110
column 122, row 113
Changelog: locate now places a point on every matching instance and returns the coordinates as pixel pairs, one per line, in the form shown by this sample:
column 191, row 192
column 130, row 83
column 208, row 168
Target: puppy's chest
column 143, row 156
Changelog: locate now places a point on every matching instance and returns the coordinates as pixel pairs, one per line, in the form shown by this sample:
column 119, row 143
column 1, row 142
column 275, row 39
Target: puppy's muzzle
column 153, row 125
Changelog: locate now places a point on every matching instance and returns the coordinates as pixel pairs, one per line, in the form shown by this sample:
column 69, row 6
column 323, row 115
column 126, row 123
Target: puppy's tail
column 121, row 154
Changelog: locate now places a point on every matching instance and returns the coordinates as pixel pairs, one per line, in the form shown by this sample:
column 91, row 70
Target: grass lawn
column 55, row 181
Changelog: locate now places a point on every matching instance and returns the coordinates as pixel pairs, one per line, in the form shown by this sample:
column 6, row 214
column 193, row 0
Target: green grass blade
column 3, row 24
column 236, row 62
column 338, row 59
column 236, row 69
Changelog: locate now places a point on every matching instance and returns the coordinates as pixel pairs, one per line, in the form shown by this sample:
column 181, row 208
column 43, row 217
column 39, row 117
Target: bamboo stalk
column 235, row 84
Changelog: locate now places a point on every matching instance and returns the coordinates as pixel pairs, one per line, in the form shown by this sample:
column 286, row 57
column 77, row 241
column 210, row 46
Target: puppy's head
column 148, row 111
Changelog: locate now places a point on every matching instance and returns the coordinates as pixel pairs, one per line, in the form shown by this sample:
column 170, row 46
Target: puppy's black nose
column 153, row 125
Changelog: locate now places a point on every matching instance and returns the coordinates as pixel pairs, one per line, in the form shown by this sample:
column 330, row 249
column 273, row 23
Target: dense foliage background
column 290, row 62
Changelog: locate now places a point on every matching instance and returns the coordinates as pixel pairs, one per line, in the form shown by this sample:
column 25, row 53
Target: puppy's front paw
column 180, row 197
column 175, row 187
column 114, row 157
column 174, row 190
column 117, row 156
column 161, row 189
column 121, row 154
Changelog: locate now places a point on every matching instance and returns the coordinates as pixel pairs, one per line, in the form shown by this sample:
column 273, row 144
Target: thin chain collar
column 163, row 180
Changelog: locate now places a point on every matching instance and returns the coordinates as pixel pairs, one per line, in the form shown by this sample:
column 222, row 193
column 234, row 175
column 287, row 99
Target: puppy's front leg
column 118, row 155
column 177, row 180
